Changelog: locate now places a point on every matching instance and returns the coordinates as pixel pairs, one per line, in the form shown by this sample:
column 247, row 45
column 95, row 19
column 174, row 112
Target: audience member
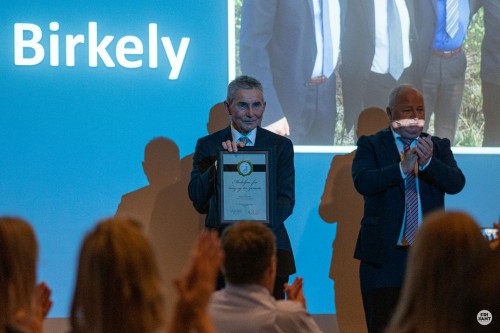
column 433, row 297
column 246, row 303
column 482, row 306
column 196, row 286
column 118, row 287
column 23, row 305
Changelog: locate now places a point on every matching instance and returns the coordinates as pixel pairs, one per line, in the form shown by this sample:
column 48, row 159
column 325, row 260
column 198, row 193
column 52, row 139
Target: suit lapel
column 390, row 146
column 391, row 152
column 226, row 134
column 259, row 137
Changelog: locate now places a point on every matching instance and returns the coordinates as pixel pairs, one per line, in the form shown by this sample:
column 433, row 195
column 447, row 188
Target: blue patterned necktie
column 411, row 199
column 244, row 139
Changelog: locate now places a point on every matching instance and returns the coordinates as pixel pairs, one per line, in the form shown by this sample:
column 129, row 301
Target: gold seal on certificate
column 245, row 168
column 244, row 186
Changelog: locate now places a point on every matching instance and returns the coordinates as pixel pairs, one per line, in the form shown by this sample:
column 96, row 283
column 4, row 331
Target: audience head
column 249, row 254
column 448, row 244
column 406, row 111
column 118, row 287
column 18, row 258
column 245, row 103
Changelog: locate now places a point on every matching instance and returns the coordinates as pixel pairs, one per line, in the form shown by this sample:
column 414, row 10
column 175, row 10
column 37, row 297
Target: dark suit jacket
column 278, row 47
column 358, row 50
column 490, row 51
column 377, row 177
column 204, row 193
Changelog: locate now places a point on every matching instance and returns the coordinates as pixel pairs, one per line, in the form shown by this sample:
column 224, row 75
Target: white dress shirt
column 381, row 59
column 251, row 308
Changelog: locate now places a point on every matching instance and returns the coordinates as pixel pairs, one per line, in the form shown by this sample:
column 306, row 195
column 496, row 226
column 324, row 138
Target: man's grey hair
column 393, row 95
column 242, row 82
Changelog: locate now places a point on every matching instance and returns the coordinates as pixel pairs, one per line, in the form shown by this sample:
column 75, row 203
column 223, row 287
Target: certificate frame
column 246, row 185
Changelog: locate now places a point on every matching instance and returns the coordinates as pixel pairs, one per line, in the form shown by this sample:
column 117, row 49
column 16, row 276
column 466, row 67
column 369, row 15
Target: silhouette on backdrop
column 341, row 203
column 162, row 168
column 175, row 224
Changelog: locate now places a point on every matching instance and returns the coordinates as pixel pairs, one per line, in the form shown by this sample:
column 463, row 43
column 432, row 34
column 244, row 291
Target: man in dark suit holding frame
column 245, row 104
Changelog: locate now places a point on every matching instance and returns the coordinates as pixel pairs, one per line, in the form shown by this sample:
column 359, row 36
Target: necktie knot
column 406, row 143
column 244, row 139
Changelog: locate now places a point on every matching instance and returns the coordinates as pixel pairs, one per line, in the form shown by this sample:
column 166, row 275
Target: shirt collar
column 250, row 135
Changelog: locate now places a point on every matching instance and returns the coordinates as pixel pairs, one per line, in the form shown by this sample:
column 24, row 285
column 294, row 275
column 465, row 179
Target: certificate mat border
column 270, row 182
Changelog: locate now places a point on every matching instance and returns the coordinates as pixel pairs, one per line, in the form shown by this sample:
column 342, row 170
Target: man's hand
column 408, row 160
column 43, row 300
column 279, row 127
column 294, row 291
column 232, row 146
column 197, row 284
column 424, row 149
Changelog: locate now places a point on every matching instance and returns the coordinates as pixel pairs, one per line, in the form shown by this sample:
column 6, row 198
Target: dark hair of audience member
column 448, row 244
column 18, row 258
column 483, row 294
column 118, row 285
column 248, row 251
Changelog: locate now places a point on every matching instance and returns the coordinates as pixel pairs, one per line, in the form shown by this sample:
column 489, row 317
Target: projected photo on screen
column 324, row 66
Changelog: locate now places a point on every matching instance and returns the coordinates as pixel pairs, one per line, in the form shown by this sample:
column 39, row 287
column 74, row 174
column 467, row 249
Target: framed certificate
column 245, row 185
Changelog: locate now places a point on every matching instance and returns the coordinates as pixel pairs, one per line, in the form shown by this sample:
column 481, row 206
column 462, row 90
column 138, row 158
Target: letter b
column 34, row 43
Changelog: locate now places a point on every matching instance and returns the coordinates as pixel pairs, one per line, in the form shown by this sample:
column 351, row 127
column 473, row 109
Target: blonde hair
column 18, row 257
column 438, row 273
column 118, row 287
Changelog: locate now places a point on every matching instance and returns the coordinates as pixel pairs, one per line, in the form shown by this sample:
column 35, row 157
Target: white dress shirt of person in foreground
column 247, row 304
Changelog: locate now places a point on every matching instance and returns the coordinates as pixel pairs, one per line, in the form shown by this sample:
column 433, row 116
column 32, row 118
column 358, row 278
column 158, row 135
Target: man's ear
column 227, row 108
column 389, row 113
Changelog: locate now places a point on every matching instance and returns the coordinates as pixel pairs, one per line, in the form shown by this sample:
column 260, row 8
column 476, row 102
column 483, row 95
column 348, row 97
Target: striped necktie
column 452, row 17
column 411, row 199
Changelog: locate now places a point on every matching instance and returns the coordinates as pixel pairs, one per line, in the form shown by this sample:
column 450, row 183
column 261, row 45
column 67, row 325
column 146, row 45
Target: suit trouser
column 491, row 100
column 315, row 124
column 379, row 306
column 443, row 88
